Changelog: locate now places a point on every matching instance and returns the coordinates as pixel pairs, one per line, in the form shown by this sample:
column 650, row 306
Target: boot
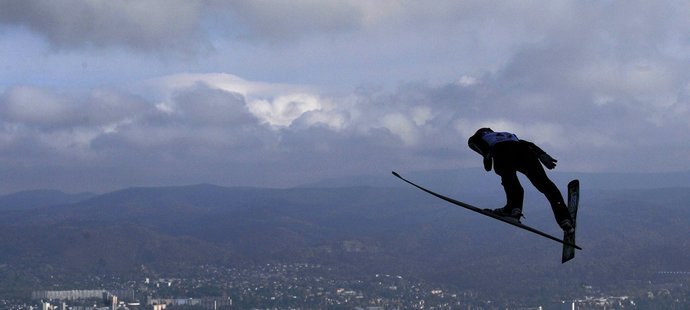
column 567, row 226
column 513, row 214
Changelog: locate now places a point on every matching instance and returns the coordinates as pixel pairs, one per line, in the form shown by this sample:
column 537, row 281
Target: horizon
column 438, row 178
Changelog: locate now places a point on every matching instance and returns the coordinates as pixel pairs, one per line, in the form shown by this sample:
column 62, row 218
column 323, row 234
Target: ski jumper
column 511, row 155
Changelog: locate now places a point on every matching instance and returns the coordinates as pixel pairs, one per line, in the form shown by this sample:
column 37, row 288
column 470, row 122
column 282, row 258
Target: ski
column 573, row 200
column 489, row 214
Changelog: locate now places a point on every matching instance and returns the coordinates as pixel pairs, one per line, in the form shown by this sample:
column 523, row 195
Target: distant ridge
column 464, row 181
column 34, row 199
column 637, row 180
column 476, row 179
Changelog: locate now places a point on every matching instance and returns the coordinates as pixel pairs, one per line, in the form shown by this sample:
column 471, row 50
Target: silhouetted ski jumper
column 510, row 155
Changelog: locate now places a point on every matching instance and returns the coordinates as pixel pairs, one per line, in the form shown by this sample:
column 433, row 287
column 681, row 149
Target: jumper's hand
column 548, row 161
column 487, row 163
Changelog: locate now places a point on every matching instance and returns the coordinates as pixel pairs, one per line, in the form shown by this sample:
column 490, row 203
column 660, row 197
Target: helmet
column 482, row 131
column 476, row 143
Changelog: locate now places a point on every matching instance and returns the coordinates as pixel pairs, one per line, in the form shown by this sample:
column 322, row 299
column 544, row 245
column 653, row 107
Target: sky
column 102, row 95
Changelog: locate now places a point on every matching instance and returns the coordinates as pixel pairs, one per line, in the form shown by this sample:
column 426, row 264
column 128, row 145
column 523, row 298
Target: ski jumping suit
column 511, row 155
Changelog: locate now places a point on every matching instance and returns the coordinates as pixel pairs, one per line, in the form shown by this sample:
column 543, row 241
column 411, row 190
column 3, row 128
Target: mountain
column 473, row 180
column 626, row 234
column 158, row 225
column 39, row 198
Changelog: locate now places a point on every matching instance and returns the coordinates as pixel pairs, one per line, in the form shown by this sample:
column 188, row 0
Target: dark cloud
column 166, row 26
column 45, row 109
column 205, row 132
column 212, row 107
column 141, row 25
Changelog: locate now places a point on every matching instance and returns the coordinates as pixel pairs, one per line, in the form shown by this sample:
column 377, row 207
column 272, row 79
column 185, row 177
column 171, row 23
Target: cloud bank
column 602, row 87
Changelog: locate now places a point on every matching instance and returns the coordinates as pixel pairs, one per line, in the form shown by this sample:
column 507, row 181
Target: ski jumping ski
column 573, row 200
column 566, row 243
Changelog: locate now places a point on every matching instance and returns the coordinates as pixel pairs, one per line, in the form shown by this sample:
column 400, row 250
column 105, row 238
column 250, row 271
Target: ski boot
column 567, row 226
column 512, row 214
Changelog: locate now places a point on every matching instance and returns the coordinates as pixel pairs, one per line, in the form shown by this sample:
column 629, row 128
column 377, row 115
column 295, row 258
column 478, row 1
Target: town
column 311, row 286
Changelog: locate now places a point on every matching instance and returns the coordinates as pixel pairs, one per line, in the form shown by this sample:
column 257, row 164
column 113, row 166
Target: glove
column 487, row 163
column 548, row 161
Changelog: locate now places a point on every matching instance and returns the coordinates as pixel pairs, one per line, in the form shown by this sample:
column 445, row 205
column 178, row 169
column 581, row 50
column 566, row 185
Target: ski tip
column 395, row 174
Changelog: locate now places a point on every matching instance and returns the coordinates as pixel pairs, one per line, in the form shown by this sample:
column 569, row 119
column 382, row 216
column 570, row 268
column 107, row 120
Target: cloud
column 202, row 106
column 177, row 25
column 43, row 125
column 602, row 87
column 289, row 20
column 220, row 128
column 198, row 122
column 47, row 110
column 192, row 25
column 141, row 25
column 109, row 133
column 35, row 106
column 282, row 111
column 278, row 105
